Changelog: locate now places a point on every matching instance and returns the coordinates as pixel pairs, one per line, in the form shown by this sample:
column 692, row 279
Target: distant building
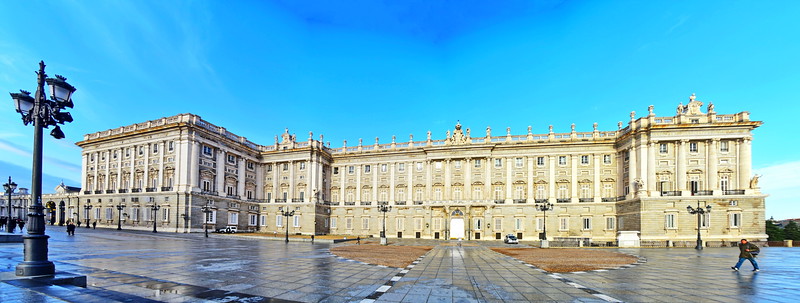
column 639, row 177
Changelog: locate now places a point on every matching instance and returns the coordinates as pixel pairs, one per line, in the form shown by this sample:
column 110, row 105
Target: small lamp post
column 206, row 210
column 544, row 207
column 700, row 212
column 88, row 208
column 120, row 207
column 384, row 209
column 287, row 214
column 155, row 209
column 10, row 187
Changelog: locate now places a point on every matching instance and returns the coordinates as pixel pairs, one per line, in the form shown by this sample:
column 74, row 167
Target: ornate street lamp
column 700, row 212
column 155, row 209
column 384, row 209
column 544, row 207
column 206, row 210
column 287, row 214
column 120, row 207
column 42, row 112
column 10, row 187
column 87, row 207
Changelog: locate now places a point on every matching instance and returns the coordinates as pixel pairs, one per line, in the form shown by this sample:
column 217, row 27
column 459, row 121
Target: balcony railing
column 210, row 193
column 349, row 203
column 233, row 196
column 366, row 203
column 499, row 201
column 417, row 202
column 136, row 190
column 150, row 189
column 703, row 193
column 671, row 193
column 123, row 190
column 280, row 200
column 610, row 199
column 98, row 191
column 563, row 200
column 520, row 201
column 109, row 191
column 400, row 203
column 733, row 192
column 586, row 200
column 540, row 200
column 87, row 192
column 297, row 200
column 166, row 188
column 383, row 202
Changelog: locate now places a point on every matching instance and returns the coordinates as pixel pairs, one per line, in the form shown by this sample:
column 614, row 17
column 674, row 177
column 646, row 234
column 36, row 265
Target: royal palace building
column 184, row 174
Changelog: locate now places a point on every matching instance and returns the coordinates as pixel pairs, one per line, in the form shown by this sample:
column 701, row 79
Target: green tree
column 791, row 231
column 774, row 232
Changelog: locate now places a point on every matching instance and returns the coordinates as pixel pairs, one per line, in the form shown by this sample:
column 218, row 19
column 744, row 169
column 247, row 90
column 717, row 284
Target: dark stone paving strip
column 165, row 286
column 388, row 285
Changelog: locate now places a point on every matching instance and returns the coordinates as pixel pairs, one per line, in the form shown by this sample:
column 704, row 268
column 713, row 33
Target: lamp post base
column 699, row 245
column 383, row 241
column 544, row 244
column 36, row 263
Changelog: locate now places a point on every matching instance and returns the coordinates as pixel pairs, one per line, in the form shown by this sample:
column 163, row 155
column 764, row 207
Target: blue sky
column 366, row 69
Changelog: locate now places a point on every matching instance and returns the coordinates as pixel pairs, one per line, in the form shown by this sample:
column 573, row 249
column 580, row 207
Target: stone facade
column 639, row 177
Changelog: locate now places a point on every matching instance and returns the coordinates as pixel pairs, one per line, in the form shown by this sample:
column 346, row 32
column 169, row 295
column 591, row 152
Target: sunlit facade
column 477, row 185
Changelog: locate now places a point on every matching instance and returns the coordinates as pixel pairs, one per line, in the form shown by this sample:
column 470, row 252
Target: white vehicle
column 228, row 230
column 510, row 239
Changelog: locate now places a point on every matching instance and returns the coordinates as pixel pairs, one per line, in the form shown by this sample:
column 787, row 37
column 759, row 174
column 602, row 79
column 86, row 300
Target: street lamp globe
column 23, row 102
column 60, row 90
column 10, row 187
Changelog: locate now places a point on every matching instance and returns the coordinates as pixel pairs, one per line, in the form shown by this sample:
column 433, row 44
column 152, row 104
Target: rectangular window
column 562, row 160
column 437, row 165
column 335, row 170
column 233, row 218
column 302, row 165
column 155, row 148
column 587, row 223
column 662, row 148
column 477, row 163
column 285, row 166
column 417, row 223
column 563, row 224
column 351, row 169
column 584, row 159
column 478, row 223
column 135, row 214
column 269, row 167
column 669, row 221
column 693, row 147
column 109, row 214
column 348, row 223
column 610, row 223
column 296, row 220
column 457, row 164
column 736, row 220
column 401, row 167
column 539, row 224
column 279, row 220
column 498, row 223
column 365, row 223
column 171, row 146
column 384, row 167
column 419, row 166
column 518, row 162
column 540, row 161
column 211, row 217
column 606, row 159
column 498, row 162
column 253, row 220
column 723, row 146
column 437, row 223
column 367, row 169
column 401, row 223
column 165, row 214
column 334, row 222
column 263, row 220
column 518, row 223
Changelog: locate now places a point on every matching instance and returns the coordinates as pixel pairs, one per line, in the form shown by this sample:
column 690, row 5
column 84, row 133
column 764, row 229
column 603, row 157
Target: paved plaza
column 139, row 266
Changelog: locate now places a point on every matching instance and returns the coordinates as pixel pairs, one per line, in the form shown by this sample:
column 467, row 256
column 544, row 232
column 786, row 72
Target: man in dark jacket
column 746, row 252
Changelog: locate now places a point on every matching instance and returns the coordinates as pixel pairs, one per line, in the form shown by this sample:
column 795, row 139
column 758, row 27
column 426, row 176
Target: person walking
column 21, row 224
column 70, row 228
column 94, row 225
column 747, row 251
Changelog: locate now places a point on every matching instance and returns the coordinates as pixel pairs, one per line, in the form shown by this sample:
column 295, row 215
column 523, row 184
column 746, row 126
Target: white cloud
column 782, row 183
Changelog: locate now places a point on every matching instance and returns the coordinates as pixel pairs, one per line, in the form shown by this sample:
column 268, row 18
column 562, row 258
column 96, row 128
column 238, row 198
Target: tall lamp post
column 206, row 210
column 10, row 187
column 384, row 209
column 42, row 112
column 700, row 212
column 120, row 207
column 155, row 209
column 544, row 207
column 287, row 214
column 88, row 208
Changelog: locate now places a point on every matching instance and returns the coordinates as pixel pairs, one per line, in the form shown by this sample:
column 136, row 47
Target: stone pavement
column 138, row 266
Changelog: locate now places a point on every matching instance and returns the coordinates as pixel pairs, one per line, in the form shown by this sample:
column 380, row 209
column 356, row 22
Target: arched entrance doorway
column 61, row 213
column 457, row 224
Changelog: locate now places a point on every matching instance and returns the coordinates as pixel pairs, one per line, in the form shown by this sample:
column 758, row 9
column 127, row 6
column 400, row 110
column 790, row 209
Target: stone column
column 711, row 168
column 358, row 183
column 241, row 178
column 342, row 185
column 276, row 190
column 551, row 183
column 392, row 183
column 650, row 179
column 220, row 173
column 488, row 190
column 84, row 171
column 446, row 196
column 132, row 179
column 162, row 147
column 744, row 161
column 119, row 169
column 633, row 166
column 311, row 176
column 375, row 187
column 146, row 178
column 509, row 179
column 428, row 180
column 410, row 191
column 468, row 179
column 529, row 190
column 573, row 161
column 680, row 175
column 596, row 184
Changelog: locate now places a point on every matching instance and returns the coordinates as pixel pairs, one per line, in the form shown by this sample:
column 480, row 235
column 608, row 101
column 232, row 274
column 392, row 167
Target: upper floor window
column 302, row 165
column 419, row 166
column 250, row 165
column 285, row 166
column 367, row 169
column 457, row 164
column 562, row 160
column 693, row 147
column 438, row 165
column 384, row 167
column 723, row 146
column 141, row 150
column 206, row 150
column 231, row 159
column 607, row 159
column 401, row 166
column 155, row 148
column 351, row 169
column 498, row 162
column 477, row 163
column 540, row 161
column 662, row 148
column 171, row 145
column 335, row 170
column 127, row 152
column 584, row 159
column 518, row 162
column 269, row 167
